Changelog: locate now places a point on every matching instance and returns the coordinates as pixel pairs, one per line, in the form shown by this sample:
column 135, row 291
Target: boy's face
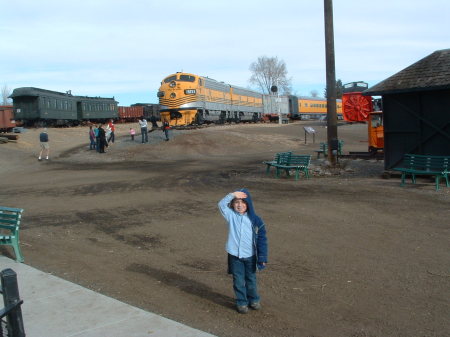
column 239, row 206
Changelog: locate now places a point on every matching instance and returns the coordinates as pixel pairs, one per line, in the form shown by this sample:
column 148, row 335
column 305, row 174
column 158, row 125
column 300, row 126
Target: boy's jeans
column 144, row 135
column 244, row 280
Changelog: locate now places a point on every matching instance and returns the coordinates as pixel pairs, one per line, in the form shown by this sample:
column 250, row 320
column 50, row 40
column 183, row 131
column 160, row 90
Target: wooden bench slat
column 8, row 222
column 280, row 157
column 288, row 161
column 299, row 163
column 10, row 225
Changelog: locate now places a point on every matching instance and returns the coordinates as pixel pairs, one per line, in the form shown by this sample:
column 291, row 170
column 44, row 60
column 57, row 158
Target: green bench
column 297, row 162
column 9, row 229
column 323, row 149
column 280, row 157
column 416, row 164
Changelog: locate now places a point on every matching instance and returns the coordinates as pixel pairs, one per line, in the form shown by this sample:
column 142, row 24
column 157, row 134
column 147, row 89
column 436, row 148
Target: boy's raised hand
column 240, row 195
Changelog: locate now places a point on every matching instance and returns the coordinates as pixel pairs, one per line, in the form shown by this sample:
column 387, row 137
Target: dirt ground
column 350, row 253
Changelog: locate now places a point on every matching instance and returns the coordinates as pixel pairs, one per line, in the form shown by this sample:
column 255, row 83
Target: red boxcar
column 7, row 121
column 131, row 112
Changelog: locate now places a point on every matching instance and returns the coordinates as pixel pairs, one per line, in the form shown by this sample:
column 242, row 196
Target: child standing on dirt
column 246, row 247
column 132, row 133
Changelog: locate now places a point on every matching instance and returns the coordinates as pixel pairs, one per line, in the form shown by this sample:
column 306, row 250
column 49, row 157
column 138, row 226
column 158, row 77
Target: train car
column 149, row 110
column 34, row 105
column 191, row 99
column 315, row 108
column 96, row 108
column 130, row 113
column 138, row 110
column 7, row 121
column 286, row 105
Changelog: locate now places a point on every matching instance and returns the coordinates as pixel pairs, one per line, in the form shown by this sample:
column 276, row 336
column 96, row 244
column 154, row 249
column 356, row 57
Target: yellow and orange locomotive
column 190, row 99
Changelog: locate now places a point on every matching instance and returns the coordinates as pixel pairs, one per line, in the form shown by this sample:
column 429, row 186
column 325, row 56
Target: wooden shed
column 416, row 108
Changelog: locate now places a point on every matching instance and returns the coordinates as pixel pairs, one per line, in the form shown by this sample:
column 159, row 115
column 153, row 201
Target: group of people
column 100, row 137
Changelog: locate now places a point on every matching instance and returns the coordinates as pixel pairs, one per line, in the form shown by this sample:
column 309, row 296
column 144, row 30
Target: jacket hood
column 261, row 243
column 250, row 209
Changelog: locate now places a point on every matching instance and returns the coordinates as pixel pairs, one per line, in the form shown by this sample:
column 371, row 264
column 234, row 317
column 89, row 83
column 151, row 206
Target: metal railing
column 11, row 322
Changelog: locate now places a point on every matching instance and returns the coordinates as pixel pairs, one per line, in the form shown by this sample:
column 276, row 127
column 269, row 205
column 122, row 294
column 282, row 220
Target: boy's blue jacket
column 259, row 232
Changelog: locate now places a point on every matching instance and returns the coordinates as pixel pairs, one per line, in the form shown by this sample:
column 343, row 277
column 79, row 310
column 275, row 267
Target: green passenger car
column 34, row 105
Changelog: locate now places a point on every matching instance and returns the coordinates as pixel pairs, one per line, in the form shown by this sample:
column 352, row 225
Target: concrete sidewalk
column 54, row 307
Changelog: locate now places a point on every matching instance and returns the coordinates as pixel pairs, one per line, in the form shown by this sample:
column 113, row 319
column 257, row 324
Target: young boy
column 246, row 247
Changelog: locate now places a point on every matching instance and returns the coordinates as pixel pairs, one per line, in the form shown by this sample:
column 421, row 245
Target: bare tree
column 5, row 93
column 314, row 93
column 269, row 71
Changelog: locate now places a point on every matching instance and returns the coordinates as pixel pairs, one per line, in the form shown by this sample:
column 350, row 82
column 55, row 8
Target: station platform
column 53, row 307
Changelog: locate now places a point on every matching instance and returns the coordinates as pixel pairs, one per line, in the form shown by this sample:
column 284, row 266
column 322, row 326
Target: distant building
column 416, row 108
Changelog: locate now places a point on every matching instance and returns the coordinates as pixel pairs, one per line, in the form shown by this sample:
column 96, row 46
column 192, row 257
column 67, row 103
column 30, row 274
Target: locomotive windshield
column 183, row 78
column 187, row 78
column 170, row 78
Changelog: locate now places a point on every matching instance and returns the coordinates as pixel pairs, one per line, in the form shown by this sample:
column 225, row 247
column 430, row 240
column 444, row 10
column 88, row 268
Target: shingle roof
column 430, row 73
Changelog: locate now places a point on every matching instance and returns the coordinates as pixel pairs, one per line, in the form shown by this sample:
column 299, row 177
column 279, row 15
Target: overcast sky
column 124, row 48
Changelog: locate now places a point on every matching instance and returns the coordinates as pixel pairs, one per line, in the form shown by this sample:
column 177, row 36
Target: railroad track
column 364, row 155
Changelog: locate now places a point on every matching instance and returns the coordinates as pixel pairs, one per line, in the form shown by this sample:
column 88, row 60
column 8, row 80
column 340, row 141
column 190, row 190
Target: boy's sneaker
column 242, row 309
column 255, row 306
column 39, row 159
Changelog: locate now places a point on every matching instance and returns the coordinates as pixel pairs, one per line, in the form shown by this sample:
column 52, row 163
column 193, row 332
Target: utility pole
column 332, row 138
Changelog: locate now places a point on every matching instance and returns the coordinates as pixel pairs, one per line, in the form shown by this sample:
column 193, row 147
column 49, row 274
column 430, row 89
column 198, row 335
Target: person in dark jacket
column 166, row 129
column 43, row 138
column 246, row 247
column 102, row 139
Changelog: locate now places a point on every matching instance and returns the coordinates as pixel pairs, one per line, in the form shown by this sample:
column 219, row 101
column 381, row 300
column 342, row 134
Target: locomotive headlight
column 160, row 94
column 172, row 84
column 173, row 95
column 190, row 91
